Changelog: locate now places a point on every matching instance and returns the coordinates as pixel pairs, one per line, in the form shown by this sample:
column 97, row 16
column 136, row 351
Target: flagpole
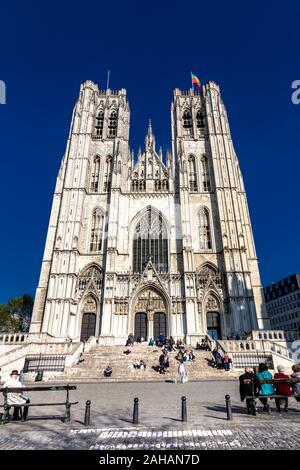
column 108, row 73
column 192, row 81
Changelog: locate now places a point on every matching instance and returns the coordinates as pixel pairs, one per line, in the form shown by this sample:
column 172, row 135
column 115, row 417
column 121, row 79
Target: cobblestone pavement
column 159, row 417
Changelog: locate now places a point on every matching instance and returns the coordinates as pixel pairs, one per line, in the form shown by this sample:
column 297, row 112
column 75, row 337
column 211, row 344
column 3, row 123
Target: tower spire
column 150, row 139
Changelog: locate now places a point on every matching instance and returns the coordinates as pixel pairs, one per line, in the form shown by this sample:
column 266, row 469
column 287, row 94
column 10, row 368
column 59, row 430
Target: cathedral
column 157, row 244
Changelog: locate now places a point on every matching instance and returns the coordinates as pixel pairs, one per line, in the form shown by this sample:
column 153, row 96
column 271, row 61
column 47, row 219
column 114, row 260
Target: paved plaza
column 160, row 425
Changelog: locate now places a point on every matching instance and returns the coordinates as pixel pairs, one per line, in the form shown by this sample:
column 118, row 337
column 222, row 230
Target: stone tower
column 160, row 243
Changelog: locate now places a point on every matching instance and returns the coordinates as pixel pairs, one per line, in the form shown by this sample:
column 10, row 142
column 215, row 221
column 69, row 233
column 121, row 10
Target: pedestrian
column 296, row 381
column 16, row 398
column 219, row 359
column 182, row 373
column 166, row 360
column 162, row 368
column 226, row 362
column 282, row 389
column 249, row 387
column 266, row 388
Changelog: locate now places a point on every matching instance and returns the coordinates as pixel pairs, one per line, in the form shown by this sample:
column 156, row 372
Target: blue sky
column 48, row 48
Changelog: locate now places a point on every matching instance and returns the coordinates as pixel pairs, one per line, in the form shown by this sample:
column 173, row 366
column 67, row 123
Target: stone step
column 96, row 360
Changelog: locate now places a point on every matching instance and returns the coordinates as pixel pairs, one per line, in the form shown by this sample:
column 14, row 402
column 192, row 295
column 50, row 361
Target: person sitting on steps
column 108, row 371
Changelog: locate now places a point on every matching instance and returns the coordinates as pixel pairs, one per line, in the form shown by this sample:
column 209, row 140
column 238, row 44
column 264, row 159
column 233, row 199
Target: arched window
column 187, row 122
column 150, row 239
column 112, row 125
column 192, row 173
column 97, row 230
column 200, row 120
column 205, row 174
column 99, row 124
column 107, row 175
column 204, row 229
column 94, row 183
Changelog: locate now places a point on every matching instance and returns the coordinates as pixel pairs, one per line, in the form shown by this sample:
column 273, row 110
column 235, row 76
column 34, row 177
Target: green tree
column 15, row 315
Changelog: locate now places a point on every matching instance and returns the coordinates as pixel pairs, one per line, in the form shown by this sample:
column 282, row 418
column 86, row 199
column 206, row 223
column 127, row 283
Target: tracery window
column 107, row 175
column 187, row 122
column 99, row 124
column 91, row 273
column 200, row 119
column 206, row 273
column 96, row 230
column 150, row 239
column 94, row 182
column 204, row 229
column 112, row 125
column 205, row 174
column 192, row 174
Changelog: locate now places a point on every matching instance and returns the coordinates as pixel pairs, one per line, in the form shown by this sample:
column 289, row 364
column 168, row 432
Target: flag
column 195, row 80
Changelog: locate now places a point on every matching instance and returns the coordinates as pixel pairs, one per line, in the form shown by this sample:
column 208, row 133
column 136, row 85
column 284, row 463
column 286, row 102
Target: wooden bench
column 66, row 403
column 289, row 381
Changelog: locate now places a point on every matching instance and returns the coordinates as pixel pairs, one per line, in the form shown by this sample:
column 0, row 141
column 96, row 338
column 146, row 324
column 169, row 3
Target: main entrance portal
column 150, row 319
column 213, row 325
column 140, row 326
column 160, row 325
column 88, row 326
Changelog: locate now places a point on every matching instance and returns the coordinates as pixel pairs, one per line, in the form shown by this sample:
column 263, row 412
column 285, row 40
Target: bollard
column 136, row 411
column 183, row 410
column 228, row 407
column 5, row 416
column 87, row 413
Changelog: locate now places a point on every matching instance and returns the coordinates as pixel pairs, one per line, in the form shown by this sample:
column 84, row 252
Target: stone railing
column 14, row 338
column 253, row 346
column 17, row 338
column 273, row 335
column 36, row 348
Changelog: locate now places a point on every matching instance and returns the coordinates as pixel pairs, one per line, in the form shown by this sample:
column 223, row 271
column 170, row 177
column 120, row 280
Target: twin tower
column 157, row 244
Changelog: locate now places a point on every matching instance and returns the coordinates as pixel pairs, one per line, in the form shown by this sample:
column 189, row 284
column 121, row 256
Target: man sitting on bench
column 16, row 398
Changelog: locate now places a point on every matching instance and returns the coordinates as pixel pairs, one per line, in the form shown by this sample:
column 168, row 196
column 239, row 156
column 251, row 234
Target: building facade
column 153, row 244
column 283, row 304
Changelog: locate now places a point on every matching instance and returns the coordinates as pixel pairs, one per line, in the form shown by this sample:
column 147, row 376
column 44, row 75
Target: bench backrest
column 39, row 389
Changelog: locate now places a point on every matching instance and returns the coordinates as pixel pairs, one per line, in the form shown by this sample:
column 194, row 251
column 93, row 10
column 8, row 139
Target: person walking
column 226, row 362
column 266, row 388
column 166, row 361
column 249, row 387
column 182, row 373
column 162, row 368
column 282, row 389
column 16, row 398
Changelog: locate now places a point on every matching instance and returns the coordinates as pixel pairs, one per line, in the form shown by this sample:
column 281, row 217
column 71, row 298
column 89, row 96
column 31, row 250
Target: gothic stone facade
column 157, row 244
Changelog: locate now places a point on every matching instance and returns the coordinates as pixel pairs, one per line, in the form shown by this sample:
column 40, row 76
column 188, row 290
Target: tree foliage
column 15, row 315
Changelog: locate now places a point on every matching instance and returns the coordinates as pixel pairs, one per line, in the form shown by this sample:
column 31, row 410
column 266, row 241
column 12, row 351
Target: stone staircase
column 97, row 359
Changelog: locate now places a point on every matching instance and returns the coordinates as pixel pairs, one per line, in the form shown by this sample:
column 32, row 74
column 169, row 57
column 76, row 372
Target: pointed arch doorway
column 213, row 320
column 140, row 325
column 213, row 325
column 88, row 322
column 150, row 315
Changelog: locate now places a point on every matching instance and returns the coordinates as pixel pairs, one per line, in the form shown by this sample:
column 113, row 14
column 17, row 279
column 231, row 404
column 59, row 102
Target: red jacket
column 282, row 389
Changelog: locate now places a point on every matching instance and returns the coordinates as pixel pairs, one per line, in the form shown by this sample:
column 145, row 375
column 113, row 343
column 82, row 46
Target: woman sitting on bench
column 16, row 398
